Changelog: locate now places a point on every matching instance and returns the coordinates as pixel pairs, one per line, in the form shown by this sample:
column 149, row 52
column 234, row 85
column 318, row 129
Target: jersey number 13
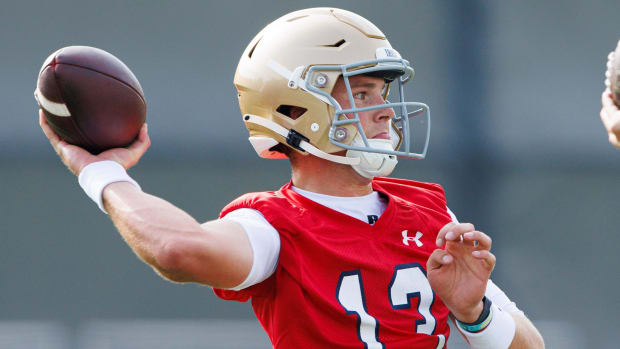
column 408, row 281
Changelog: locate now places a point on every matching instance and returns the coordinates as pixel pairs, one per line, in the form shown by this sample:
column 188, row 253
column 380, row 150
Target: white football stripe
column 58, row 109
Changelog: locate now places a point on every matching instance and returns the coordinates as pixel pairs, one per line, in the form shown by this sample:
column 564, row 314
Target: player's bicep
column 223, row 257
column 235, row 252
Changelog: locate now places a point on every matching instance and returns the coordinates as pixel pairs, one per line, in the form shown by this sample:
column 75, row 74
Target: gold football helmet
column 295, row 62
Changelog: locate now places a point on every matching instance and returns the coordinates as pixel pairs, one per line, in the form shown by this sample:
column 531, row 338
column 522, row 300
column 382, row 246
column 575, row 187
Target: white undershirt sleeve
column 264, row 240
column 452, row 215
column 499, row 298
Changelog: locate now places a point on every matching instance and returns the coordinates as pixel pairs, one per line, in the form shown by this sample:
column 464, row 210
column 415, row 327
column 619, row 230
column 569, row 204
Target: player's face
column 367, row 91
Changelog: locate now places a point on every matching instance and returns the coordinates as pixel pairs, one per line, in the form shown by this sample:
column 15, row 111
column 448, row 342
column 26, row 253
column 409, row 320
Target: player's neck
column 325, row 177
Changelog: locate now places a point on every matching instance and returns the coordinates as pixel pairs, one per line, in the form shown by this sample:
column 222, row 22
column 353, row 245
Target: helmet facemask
column 377, row 156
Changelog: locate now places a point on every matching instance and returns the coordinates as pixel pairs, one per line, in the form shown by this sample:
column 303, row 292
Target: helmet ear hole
column 291, row 111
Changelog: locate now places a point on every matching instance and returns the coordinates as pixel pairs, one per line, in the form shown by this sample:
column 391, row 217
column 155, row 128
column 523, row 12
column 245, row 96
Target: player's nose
column 384, row 114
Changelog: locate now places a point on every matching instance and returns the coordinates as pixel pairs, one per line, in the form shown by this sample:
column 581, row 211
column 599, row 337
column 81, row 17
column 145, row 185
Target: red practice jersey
column 343, row 283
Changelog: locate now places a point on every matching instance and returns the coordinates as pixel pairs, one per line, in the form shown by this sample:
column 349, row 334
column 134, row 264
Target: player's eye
column 360, row 95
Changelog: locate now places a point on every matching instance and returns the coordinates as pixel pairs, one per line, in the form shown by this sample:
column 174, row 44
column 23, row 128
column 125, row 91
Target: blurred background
column 514, row 88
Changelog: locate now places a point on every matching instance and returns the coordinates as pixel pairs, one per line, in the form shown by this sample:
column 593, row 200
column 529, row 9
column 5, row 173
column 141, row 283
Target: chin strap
column 367, row 164
column 373, row 164
column 300, row 142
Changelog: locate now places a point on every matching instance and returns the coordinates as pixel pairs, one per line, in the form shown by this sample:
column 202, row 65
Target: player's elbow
column 172, row 260
column 533, row 340
column 538, row 341
column 527, row 334
column 205, row 258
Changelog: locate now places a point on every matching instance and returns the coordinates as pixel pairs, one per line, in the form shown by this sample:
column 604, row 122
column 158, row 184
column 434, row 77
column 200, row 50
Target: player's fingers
column 452, row 232
column 58, row 143
column 612, row 126
column 479, row 239
column 610, row 115
column 136, row 149
column 144, row 132
column 608, row 102
column 613, row 139
column 486, row 256
column 455, row 233
column 611, row 121
column 604, row 118
column 142, row 143
column 442, row 233
column 47, row 130
column 606, row 97
column 437, row 259
column 144, row 136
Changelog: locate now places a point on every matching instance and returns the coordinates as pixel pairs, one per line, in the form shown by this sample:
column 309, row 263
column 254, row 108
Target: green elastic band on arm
column 483, row 320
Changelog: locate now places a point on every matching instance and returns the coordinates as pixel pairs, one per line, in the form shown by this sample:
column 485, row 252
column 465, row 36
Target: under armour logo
column 416, row 239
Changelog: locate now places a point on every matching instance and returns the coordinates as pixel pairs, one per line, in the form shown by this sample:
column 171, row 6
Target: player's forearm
column 149, row 225
column 526, row 335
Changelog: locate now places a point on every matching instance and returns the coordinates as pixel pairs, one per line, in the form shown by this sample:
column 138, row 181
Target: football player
column 340, row 256
column 609, row 112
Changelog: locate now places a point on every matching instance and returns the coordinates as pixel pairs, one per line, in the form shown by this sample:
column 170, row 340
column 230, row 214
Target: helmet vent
column 336, row 44
column 291, row 111
column 253, row 48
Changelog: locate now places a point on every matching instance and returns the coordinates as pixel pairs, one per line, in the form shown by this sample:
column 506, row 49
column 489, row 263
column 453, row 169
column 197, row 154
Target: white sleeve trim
column 499, row 298
column 265, row 242
column 452, row 215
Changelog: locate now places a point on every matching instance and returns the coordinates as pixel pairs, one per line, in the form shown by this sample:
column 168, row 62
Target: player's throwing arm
column 92, row 110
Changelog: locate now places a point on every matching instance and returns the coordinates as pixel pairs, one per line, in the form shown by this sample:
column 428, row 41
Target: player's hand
column 611, row 118
column 459, row 273
column 76, row 158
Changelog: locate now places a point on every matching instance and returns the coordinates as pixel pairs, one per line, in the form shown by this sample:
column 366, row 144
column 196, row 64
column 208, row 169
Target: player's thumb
column 438, row 259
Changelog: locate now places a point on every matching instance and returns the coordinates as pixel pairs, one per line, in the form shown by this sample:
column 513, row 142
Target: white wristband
column 497, row 335
column 97, row 175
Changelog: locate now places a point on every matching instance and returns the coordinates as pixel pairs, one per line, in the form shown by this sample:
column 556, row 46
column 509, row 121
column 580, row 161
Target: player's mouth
column 382, row 135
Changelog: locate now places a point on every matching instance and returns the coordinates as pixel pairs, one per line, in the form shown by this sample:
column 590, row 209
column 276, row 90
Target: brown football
column 613, row 74
column 90, row 98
